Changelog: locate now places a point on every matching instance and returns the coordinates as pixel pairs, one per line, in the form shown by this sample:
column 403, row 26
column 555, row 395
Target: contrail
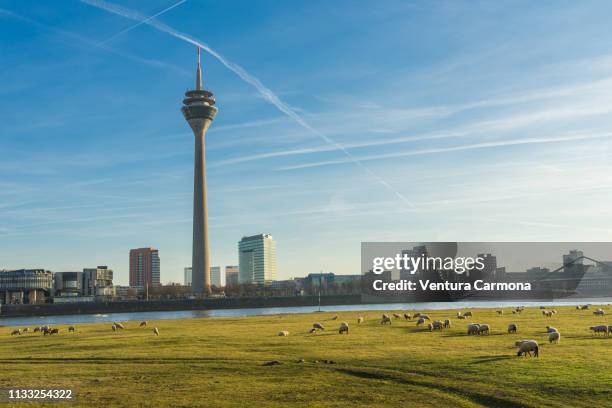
column 130, row 28
column 265, row 92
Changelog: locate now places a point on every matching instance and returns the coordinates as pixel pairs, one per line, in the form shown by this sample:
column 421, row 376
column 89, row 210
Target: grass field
column 220, row 362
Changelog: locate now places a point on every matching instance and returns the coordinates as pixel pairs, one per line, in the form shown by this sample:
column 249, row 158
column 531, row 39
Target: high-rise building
column 187, row 271
column 25, row 286
column 215, row 276
column 199, row 111
column 144, row 267
column 257, row 259
column 231, row 275
column 98, row 282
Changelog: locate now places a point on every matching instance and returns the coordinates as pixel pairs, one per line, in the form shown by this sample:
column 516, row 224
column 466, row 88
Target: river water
column 261, row 311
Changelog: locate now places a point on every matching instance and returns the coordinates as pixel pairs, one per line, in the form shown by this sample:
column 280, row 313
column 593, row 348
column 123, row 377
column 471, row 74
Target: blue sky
column 492, row 121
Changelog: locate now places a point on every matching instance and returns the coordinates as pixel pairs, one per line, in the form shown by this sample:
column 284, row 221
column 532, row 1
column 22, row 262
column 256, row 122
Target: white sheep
column 430, row 327
column 600, row 329
column 483, row 329
column 385, row 319
column 344, row 328
column 318, row 326
column 512, row 328
column 473, row 329
column 359, row 320
column 528, row 346
column 114, row 327
column 283, row 333
column 554, row 337
column 119, row 326
column 424, row 316
column 155, row 331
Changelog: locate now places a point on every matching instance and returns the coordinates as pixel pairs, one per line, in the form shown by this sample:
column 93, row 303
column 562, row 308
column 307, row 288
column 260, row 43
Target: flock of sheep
column 47, row 329
column 525, row 347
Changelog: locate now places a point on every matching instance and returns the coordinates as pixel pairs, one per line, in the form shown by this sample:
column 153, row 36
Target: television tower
column 199, row 111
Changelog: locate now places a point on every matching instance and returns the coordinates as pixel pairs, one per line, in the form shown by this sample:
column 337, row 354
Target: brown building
column 231, row 275
column 144, row 267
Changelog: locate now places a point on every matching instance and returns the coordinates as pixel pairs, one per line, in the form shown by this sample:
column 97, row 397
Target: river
column 262, row 311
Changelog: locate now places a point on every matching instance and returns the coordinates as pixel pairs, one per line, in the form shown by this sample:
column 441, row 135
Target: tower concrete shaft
column 199, row 111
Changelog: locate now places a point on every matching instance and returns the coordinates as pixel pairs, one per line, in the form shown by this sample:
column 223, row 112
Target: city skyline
column 490, row 126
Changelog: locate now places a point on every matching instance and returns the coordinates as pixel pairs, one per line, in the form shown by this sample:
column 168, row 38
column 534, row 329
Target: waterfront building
column 231, row 275
column 187, row 271
column 25, row 286
column 98, row 282
column 67, row 284
column 215, row 276
column 257, row 259
column 144, row 267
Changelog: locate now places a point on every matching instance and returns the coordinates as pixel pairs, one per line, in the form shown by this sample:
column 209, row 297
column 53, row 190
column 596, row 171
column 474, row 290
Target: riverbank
column 221, row 362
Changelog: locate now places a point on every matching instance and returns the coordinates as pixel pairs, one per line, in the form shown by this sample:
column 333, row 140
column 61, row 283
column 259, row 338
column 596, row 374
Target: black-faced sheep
column 550, row 329
column 527, row 347
column 344, row 328
column 600, row 329
column 318, row 326
column 283, row 333
column 512, row 328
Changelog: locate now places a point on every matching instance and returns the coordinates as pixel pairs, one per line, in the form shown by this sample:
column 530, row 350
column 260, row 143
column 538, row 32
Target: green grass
column 219, row 362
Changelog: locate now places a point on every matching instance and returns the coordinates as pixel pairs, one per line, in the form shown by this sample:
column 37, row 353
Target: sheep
column 438, row 325
column 318, row 326
column 609, row 329
column 542, row 307
column 53, row 331
column 554, row 337
column 313, row 330
column 554, row 311
column 25, row 330
column 430, row 327
column 600, row 329
column 143, row 324
column 527, row 346
column 344, row 328
column 420, row 321
column 483, row 329
column 500, row 312
column 36, row 329
column 16, row 331
column 71, row 329
column 359, row 320
column 547, row 313
column 447, row 324
column 283, row 333
column 461, row 317
column 407, row 316
column 417, row 314
column 424, row 316
column 473, row 329
column 156, row 331
column 335, row 318
column 512, row 328
column 114, row 327
column 397, row 315
column 466, row 314
column 599, row 312
column 550, row 329
column 119, row 326
column 385, row 319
